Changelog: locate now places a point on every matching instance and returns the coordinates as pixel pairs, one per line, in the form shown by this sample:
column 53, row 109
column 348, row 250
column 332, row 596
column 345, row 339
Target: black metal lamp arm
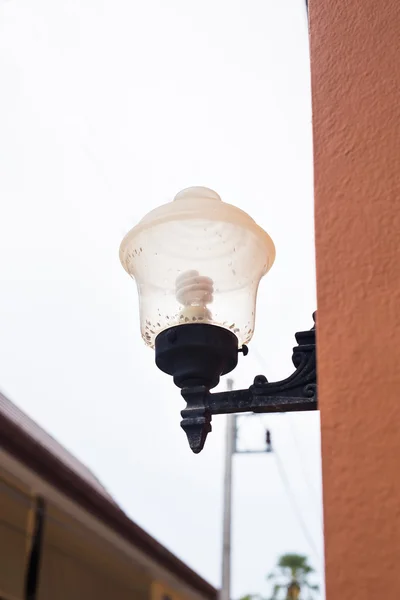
column 298, row 392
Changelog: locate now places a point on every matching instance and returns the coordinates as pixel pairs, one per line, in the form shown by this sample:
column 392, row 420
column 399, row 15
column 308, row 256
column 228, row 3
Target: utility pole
column 230, row 450
column 227, row 517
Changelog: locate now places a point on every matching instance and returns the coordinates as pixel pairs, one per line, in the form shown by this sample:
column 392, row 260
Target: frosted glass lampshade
column 197, row 260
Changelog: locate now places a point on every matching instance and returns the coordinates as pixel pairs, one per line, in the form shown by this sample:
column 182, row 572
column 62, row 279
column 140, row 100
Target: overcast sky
column 107, row 109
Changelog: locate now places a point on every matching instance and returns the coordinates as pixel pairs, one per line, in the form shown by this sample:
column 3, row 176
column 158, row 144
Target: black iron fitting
column 298, row 392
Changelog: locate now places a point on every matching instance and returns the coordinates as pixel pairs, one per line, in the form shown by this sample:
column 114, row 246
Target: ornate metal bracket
column 296, row 393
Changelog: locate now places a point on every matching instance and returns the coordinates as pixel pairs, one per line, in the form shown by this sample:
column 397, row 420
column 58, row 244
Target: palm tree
column 291, row 575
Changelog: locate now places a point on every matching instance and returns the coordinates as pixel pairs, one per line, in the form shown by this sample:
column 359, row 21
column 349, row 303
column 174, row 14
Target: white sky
column 107, row 109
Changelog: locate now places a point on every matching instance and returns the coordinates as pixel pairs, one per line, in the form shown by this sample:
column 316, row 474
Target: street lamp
column 197, row 263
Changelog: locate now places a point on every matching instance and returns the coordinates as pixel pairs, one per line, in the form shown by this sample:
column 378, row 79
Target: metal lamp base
column 196, row 354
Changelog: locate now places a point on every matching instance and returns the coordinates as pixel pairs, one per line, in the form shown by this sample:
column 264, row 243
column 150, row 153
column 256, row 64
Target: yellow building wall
column 77, row 564
column 14, row 512
column 160, row 591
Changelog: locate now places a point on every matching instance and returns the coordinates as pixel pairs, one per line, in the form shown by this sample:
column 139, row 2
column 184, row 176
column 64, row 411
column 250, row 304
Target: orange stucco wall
column 355, row 63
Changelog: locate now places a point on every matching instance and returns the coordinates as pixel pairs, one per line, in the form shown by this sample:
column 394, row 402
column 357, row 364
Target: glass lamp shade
column 197, row 260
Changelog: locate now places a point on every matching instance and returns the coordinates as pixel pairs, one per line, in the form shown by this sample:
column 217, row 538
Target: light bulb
column 194, row 292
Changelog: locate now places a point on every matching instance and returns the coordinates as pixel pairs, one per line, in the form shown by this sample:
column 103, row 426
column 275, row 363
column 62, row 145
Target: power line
column 285, row 479
column 296, row 509
column 286, row 485
column 306, row 476
column 299, row 451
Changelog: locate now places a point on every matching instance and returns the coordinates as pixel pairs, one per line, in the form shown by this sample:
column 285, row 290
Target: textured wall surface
column 355, row 59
